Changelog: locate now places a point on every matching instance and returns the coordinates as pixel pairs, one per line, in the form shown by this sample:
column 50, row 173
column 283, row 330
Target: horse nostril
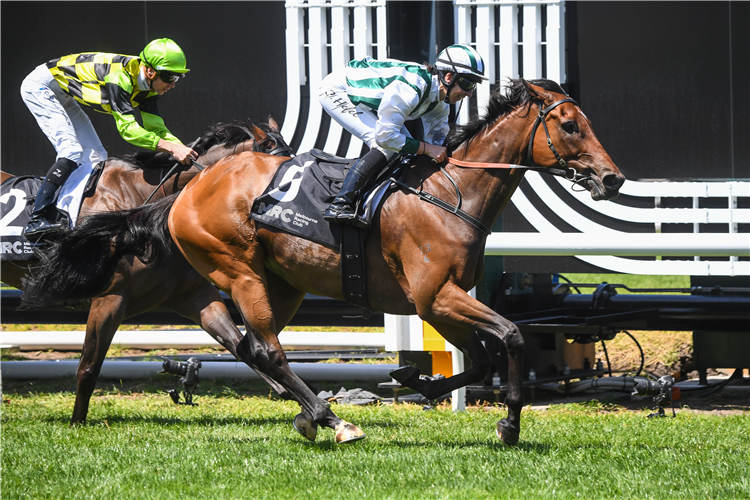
column 612, row 181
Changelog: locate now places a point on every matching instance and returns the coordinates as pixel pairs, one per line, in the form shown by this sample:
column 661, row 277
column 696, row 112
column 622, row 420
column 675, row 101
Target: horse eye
column 570, row 127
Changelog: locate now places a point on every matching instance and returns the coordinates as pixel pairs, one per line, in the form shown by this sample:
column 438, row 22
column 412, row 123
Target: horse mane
column 500, row 104
column 228, row 134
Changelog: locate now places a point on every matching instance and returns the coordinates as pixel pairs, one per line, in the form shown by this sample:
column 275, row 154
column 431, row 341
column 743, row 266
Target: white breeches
column 61, row 118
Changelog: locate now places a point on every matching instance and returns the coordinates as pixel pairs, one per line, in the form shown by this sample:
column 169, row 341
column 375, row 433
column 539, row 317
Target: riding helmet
column 163, row 54
column 462, row 59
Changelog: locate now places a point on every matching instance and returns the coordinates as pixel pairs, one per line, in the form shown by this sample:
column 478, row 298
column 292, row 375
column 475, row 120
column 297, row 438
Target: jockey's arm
column 436, row 129
column 399, row 100
column 154, row 135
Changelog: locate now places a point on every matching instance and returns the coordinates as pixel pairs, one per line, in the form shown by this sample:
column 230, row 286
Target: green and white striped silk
column 397, row 92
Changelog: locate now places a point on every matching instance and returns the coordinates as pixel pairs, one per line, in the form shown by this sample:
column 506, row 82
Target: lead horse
column 133, row 288
column 267, row 273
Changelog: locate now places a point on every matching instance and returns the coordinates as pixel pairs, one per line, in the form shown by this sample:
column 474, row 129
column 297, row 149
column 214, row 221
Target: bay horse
column 127, row 182
column 267, row 273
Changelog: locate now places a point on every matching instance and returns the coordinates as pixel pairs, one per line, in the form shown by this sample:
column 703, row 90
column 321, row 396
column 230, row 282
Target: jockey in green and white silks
column 373, row 99
column 114, row 84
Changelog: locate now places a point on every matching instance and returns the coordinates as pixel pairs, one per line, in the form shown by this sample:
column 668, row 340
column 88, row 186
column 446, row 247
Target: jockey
column 109, row 83
column 373, row 99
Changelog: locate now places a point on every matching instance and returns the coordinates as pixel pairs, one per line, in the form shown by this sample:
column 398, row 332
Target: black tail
column 81, row 263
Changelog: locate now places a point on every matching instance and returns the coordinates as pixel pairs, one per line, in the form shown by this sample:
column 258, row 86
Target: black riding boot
column 343, row 210
column 42, row 218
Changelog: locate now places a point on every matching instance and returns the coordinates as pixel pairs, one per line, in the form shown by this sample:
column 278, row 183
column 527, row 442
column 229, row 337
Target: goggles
column 168, row 77
column 465, row 84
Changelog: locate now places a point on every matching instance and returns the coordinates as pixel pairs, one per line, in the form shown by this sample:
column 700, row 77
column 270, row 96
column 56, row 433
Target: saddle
column 300, row 192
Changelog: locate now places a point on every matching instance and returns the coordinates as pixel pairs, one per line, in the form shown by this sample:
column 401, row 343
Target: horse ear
column 538, row 92
column 258, row 134
column 272, row 123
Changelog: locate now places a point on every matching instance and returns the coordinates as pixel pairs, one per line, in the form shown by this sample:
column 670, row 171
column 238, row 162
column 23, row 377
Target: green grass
column 140, row 445
column 629, row 280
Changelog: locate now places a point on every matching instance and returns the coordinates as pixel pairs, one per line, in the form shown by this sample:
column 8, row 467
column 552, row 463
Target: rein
column 565, row 172
column 169, row 174
column 281, row 148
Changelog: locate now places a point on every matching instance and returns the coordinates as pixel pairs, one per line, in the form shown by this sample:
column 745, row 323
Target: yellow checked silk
column 107, row 83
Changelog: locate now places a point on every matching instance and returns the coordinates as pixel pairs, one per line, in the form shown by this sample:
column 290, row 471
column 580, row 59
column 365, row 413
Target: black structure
column 314, row 311
column 235, row 51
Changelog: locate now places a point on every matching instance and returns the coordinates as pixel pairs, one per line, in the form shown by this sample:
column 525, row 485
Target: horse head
column 569, row 141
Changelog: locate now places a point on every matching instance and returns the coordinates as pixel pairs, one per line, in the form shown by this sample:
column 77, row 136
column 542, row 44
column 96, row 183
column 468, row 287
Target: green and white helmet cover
column 163, row 54
column 462, row 59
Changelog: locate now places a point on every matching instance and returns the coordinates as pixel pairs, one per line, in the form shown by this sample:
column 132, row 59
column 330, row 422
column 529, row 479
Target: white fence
column 520, row 30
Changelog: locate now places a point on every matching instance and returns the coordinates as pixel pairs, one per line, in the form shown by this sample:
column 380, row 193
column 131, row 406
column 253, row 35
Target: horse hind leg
column 205, row 306
column 262, row 344
column 105, row 317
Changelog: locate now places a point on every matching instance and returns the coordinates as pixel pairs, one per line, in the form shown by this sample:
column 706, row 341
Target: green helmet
column 163, row 54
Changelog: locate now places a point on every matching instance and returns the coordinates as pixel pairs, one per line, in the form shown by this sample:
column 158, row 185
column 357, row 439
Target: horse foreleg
column 285, row 300
column 105, row 317
column 457, row 316
column 468, row 342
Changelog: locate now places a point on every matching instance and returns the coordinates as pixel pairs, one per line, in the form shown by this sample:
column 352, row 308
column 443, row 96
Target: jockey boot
column 42, row 220
column 343, row 208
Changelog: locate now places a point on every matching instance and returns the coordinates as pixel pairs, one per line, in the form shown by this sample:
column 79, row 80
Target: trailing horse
column 267, row 272
column 130, row 287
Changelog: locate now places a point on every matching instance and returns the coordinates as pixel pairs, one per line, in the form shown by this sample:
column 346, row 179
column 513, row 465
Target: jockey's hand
column 437, row 153
column 181, row 153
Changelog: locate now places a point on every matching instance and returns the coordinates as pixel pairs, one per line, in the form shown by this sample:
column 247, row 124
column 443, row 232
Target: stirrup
column 339, row 213
column 40, row 228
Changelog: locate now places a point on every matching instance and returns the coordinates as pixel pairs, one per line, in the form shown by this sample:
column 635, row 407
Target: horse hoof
column 348, row 433
column 405, row 374
column 507, row 433
column 306, row 426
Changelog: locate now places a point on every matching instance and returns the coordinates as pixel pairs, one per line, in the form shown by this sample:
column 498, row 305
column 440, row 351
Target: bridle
column 542, row 118
column 281, row 148
column 565, row 171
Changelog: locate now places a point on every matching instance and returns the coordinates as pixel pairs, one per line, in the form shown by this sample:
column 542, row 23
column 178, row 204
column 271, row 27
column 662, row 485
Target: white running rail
column 594, row 238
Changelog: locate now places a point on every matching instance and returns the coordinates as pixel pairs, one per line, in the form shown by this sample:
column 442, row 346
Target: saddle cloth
column 16, row 203
column 17, row 197
column 300, row 192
